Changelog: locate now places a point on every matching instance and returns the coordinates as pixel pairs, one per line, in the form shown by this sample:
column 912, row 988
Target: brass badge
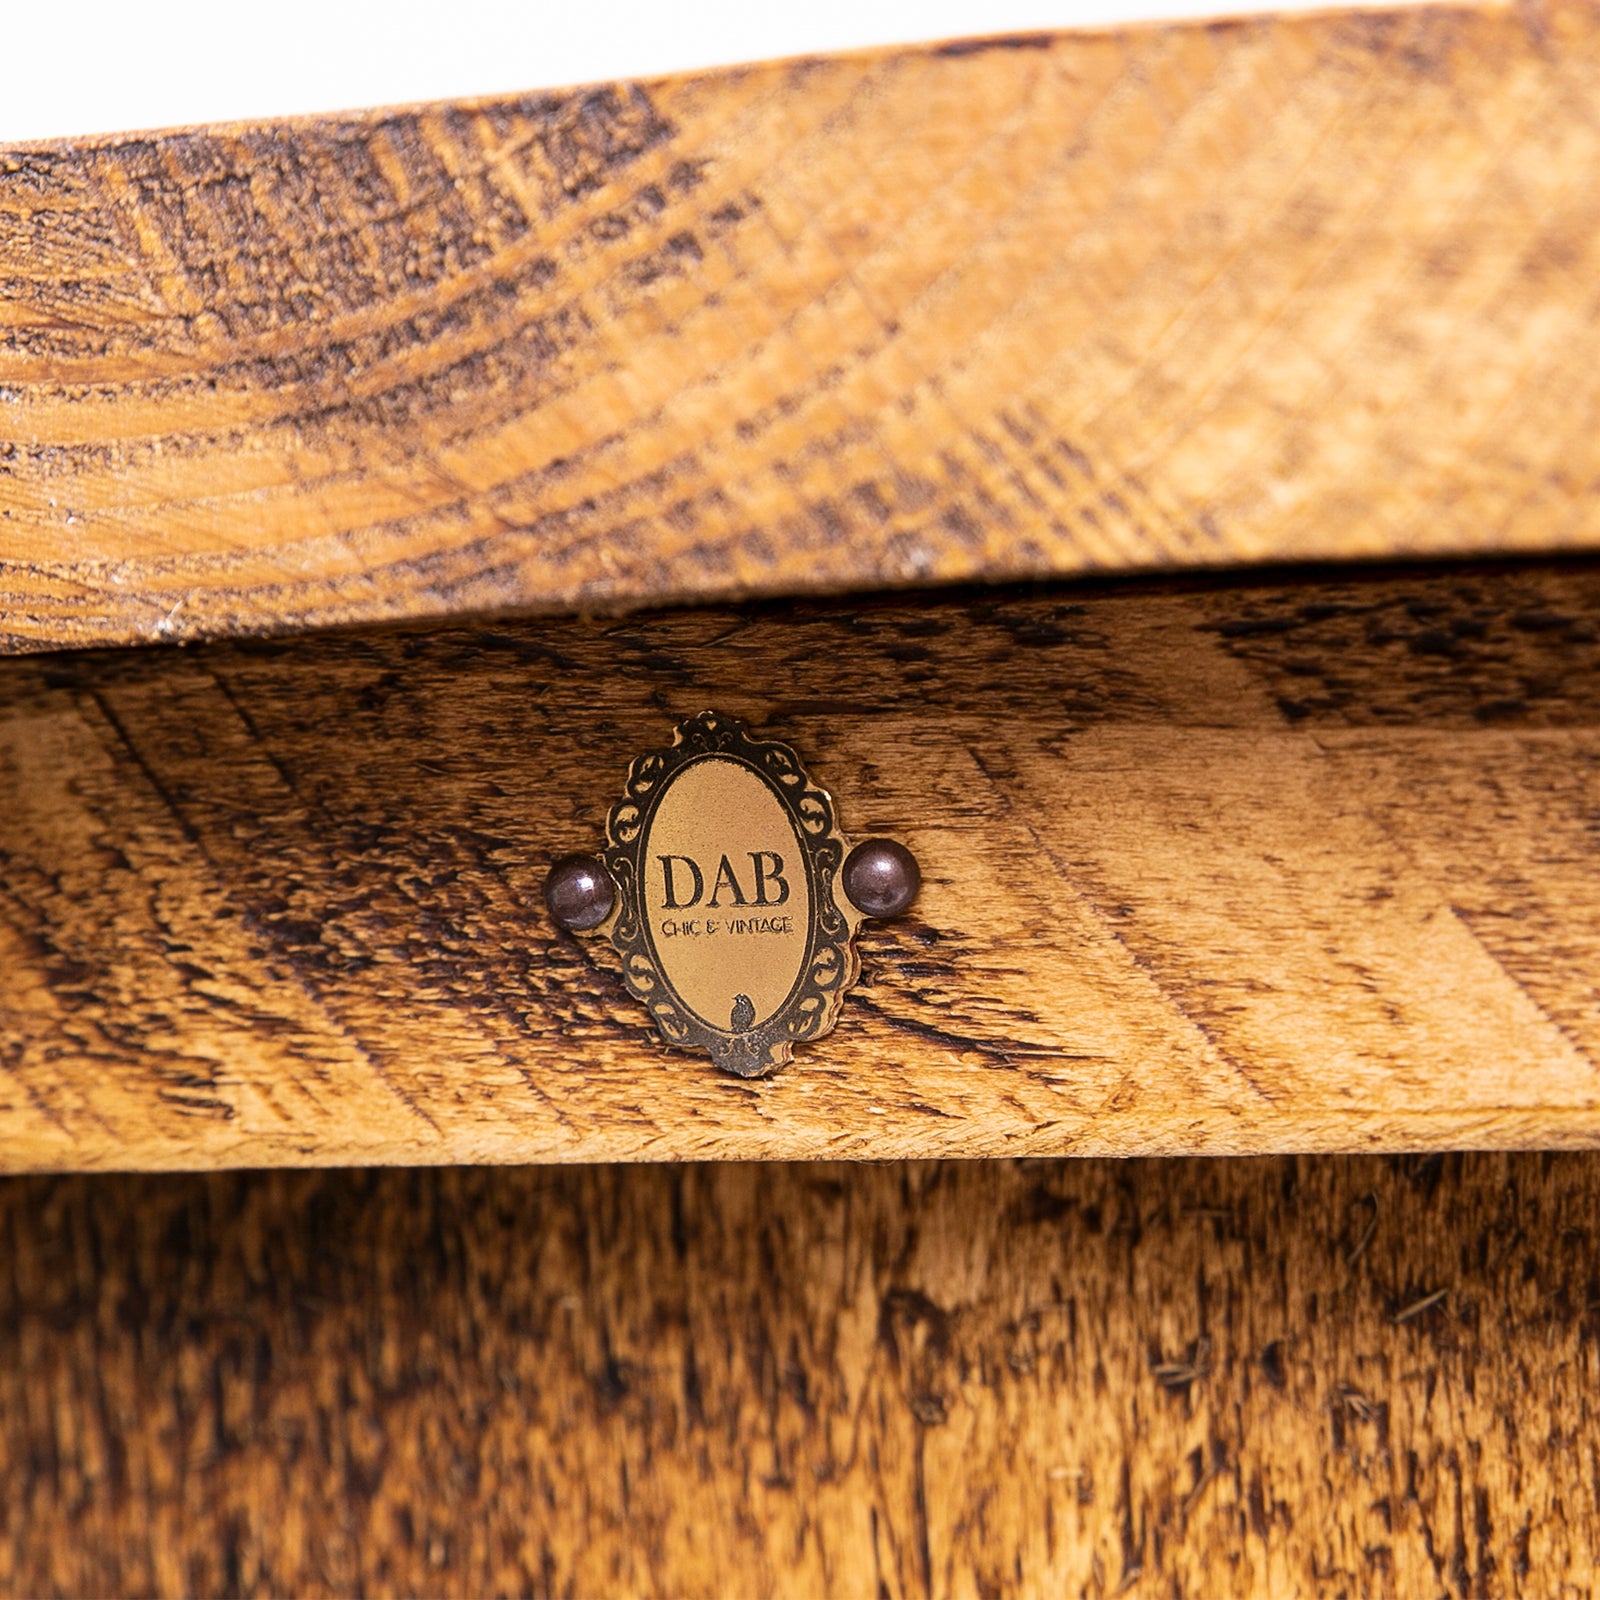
column 731, row 895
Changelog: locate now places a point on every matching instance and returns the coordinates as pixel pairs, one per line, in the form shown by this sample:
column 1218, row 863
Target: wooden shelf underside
column 1276, row 290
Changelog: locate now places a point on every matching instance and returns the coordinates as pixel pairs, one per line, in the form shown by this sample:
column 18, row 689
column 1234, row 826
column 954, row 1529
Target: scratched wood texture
column 1176, row 296
column 1303, row 864
column 1333, row 1378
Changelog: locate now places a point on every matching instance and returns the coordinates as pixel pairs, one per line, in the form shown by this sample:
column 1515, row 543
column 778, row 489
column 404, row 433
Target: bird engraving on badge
column 731, row 916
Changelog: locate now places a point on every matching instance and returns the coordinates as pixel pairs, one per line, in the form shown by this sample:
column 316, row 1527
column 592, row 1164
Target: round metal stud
column 579, row 892
column 881, row 877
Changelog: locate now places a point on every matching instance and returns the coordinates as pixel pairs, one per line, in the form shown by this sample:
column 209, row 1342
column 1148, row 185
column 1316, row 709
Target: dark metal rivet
column 881, row 877
column 579, row 892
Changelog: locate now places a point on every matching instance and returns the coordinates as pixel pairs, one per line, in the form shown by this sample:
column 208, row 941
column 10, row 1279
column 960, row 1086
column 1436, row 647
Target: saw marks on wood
column 1303, row 1379
column 1190, row 295
column 1297, row 865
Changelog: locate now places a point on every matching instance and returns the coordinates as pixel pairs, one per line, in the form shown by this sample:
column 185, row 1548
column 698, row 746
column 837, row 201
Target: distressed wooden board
column 1367, row 1379
column 1190, row 295
column 1304, row 865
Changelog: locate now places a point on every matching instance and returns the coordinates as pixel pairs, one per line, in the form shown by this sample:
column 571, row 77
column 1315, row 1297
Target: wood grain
column 1308, row 864
column 1367, row 1379
column 1183, row 296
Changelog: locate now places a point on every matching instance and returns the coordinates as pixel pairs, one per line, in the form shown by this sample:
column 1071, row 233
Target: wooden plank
column 1302, row 865
column 1364, row 1378
column 1183, row 296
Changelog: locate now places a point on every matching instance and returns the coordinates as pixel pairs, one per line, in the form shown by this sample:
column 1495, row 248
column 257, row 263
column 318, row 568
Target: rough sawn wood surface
column 1308, row 864
column 1295, row 1379
column 1190, row 295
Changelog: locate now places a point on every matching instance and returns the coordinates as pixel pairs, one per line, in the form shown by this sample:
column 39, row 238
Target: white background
column 102, row 66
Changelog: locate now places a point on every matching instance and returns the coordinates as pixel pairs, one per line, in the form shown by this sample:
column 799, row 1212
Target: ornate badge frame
column 831, row 965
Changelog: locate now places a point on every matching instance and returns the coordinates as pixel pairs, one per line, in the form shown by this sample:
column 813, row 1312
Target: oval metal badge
column 731, row 895
column 731, row 924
